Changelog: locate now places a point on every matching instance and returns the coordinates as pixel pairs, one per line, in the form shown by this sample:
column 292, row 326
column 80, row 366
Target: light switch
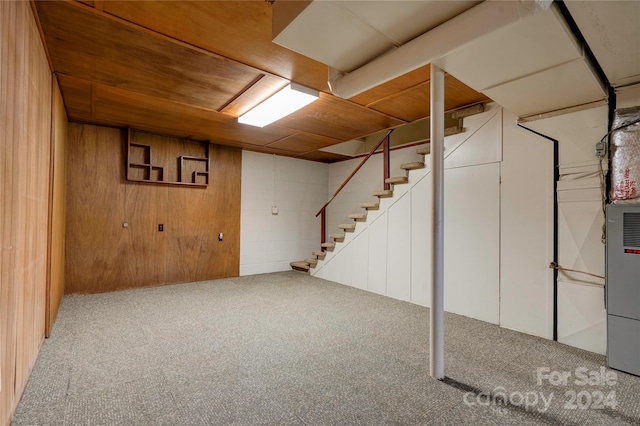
column 274, row 210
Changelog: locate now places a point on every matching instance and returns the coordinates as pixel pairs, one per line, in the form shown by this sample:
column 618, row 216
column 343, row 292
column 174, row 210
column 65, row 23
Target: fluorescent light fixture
column 288, row 100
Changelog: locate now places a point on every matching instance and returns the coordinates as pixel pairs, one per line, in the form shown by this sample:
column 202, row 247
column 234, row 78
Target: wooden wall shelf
column 140, row 166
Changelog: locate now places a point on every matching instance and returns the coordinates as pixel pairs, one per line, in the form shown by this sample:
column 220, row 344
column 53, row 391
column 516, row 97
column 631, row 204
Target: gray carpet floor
column 290, row 349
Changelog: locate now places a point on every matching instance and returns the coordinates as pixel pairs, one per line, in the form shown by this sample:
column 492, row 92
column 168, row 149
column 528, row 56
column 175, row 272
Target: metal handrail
column 364, row 160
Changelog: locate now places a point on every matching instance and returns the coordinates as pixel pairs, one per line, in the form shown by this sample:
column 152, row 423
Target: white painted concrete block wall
column 299, row 188
column 357, row 191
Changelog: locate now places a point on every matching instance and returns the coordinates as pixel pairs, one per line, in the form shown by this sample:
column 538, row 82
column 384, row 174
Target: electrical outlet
column 160, row 227
column 601, row 149
column 220, row 236
column 274, row 210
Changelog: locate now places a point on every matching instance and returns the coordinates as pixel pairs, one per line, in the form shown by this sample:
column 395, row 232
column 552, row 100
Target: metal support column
column 436, row 327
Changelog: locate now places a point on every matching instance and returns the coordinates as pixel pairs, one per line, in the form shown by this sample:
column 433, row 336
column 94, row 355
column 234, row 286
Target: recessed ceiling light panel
column 288, row 100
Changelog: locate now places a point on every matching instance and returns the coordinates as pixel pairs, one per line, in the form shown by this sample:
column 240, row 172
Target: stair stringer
column 475, row 125
column 416, row 176
column 485, row 131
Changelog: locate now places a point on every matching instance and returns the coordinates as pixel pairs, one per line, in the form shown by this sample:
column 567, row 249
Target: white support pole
column 436, row 328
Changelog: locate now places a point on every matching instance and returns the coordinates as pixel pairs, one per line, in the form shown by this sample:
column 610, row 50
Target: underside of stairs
column 336, row 238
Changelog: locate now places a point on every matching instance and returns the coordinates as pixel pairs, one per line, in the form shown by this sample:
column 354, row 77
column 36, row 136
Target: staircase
column 306, row 264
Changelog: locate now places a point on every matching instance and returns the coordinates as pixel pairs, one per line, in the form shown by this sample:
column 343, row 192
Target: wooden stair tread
column 358, row 216
column 328, row 245
column 397, row 180
column 412, row 166
column 425, row 150
column 319, row 253
column 311, row 262
column 383, row 194
column 339, row 236
column 347, row 226
column 300, row 266
column 369, row 205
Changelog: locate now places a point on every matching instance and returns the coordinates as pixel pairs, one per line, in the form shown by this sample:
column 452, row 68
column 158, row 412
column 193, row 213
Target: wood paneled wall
column 25, row 138
column 58, row 207
column 102, row 255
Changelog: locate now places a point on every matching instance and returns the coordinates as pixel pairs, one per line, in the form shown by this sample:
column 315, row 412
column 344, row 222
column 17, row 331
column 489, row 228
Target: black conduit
column 611, row 92
column 556, row 177
column 573, row 26
column 564, row 11
column 611, row 98
column 612, row 109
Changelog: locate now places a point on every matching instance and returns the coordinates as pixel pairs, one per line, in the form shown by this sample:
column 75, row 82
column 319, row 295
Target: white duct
column 476, row 22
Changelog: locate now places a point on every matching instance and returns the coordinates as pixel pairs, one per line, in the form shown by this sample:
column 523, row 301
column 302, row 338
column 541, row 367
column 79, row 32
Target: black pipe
column 573, row 26
column 556, row 178
column 612, row 110
column 611, row 97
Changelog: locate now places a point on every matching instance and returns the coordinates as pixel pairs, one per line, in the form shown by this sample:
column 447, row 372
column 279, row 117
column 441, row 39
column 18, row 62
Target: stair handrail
column 353, row 173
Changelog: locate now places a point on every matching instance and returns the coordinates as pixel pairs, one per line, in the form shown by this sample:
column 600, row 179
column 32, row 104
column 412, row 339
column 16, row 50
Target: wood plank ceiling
column 189, row 68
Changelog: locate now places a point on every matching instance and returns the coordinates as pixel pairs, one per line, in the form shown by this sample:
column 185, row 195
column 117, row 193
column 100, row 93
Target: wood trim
column 58, row 202
column 66, row 110
column 96, row 86
column 393, row 95
column 549, row 114
column 405, row 90
column 52, row 149
column 295, row 133
column 240, row 93
column 36, row 17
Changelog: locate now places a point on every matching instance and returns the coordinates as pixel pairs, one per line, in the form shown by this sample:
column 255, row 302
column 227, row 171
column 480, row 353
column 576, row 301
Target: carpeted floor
column 290, row 349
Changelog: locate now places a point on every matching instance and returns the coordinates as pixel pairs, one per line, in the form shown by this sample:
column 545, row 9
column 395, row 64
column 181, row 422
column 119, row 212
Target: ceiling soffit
column 612, row 30
column 347, row 34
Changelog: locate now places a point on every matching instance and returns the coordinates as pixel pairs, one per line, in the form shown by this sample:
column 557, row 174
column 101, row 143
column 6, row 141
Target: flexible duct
column 476, row 22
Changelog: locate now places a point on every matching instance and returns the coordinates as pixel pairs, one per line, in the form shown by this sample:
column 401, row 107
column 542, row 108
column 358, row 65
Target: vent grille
column 631, row 229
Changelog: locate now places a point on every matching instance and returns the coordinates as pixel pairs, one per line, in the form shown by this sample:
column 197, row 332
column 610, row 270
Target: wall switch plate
column 160, row 227
column 274, row 210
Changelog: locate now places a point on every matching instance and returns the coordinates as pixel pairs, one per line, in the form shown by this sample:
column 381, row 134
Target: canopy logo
column 581, row 376
column 583, row 389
